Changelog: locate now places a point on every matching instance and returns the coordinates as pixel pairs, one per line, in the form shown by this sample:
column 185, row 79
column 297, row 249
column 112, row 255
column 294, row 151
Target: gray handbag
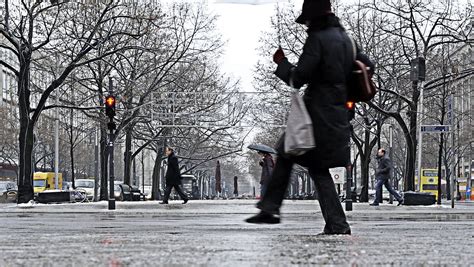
column 299, row 136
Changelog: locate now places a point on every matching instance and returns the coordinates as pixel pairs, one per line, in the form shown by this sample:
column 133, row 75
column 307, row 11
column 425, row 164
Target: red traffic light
column 350, row 105
column 110, row 101
column 110, row 106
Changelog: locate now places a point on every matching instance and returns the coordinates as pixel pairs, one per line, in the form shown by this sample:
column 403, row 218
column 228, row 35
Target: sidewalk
column 212, row 233
column 234, row 207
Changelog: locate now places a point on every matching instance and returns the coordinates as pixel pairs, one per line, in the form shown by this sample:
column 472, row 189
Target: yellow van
column 429, row 182
column 45, row 181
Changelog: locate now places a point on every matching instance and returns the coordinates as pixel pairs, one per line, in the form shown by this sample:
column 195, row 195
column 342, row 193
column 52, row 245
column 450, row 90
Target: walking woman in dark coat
column 267, row 168
column 324, row 64
column 173, row 177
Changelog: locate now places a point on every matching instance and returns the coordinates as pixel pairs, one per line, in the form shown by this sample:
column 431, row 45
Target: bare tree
column 417, row 28
column 35, row 35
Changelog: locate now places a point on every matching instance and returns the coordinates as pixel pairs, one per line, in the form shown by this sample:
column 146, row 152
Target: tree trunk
column 155, row 191
column 71, row 151
column 127, row 156
column 448, row 178
column 412, row 141
column 364, row 166
column 26, row 137
column 25, row 187
column 409, row 184
column 365, row 162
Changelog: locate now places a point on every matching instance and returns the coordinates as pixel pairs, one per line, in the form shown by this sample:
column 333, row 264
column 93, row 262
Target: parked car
column 87, row 185
column 118, row 193
column 136, row 194
column 124, row 192
column 8, row 191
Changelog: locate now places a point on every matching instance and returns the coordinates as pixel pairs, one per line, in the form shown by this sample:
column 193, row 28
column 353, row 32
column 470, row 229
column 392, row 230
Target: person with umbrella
column 325, row 65
column 267, row 164
column 267, row 168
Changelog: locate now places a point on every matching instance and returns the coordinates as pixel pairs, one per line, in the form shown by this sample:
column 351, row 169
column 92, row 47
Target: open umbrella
column 262, row 148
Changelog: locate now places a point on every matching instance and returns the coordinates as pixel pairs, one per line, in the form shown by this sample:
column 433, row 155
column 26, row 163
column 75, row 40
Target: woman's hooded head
column 312, row 9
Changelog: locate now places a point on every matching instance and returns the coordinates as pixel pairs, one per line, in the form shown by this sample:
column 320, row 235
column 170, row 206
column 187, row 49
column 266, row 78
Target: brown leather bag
column 360, row 86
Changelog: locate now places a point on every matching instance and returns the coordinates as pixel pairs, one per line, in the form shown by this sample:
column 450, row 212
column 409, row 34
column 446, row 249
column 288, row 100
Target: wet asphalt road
column 212, row 233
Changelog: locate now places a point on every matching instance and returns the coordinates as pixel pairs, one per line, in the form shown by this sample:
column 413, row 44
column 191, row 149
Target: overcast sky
column 241, row 25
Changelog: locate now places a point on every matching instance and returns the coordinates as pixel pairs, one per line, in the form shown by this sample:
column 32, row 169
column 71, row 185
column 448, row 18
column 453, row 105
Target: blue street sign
column 434, row 128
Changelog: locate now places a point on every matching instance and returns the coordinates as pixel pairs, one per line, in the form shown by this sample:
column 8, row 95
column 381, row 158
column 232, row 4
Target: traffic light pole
column 111, row 170
column 348, row 199
column 110, row 112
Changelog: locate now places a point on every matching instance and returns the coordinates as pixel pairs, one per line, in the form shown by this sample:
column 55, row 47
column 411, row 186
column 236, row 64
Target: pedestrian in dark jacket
column 382, row 177
column 324, row 64
column 267, row 168
column 173, row 177
column 236, row 187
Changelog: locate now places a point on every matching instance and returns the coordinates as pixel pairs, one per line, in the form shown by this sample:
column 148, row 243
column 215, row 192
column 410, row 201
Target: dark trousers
column 331, row 207
column 378, row 190
column 178, row 190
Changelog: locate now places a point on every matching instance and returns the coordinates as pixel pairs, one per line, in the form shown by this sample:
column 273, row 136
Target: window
column 39, row 183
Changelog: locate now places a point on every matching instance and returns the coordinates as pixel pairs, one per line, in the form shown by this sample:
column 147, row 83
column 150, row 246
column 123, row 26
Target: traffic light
column 418, row 69
column 351, row 107
column 110, row 106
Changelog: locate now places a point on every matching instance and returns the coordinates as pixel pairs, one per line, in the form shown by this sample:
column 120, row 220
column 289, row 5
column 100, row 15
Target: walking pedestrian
column 236, row 187
column 325, row 64
column 382, row 177
column 267, row 168
column 173, row 177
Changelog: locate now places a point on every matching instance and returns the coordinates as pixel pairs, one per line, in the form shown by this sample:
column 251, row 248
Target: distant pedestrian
column 267, row 164
column 382, row 177
column 236, row 187
column 173, row 177
column 325, row 64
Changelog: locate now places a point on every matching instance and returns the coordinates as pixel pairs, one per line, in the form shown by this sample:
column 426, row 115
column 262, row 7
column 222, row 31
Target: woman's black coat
column 325, row 64
column 173, row 175
column 267, row 168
